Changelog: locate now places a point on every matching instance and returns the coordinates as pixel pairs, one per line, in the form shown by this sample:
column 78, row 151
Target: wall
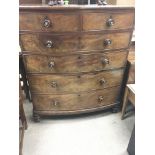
column 121, row 2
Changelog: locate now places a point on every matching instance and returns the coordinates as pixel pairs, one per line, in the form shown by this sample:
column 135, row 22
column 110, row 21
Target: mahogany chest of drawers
column 75, row 56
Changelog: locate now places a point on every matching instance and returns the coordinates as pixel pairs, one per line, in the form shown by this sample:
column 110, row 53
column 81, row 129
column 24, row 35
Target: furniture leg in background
column 129, row 96
column 23, row 78
column 22, row 120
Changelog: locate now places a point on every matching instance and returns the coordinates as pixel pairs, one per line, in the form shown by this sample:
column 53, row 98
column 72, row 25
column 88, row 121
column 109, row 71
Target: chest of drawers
column 75, row 56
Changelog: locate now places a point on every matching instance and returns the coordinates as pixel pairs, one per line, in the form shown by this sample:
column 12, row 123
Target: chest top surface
column 73, row 7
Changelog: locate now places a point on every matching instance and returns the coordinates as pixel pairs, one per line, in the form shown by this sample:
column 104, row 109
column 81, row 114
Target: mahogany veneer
column 75, row 56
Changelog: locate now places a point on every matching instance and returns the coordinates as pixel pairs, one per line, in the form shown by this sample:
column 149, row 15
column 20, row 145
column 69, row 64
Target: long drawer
column 48, row 43
column 108, row 21
column 75, row 101
column 42, row 83
column 49, row 22
column 36, row 63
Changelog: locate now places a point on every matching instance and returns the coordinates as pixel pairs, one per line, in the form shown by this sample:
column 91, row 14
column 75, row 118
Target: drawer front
column 69, row 43
column 105, row 41
column 46, row 22
column 75, row 63
column 74, row 83
column 49, row 43
column 107, row 21
column 75, row 101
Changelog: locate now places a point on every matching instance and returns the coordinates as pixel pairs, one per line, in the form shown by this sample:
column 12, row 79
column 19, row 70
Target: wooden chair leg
column 125, row 101
column 24, row 78
column 21, row 141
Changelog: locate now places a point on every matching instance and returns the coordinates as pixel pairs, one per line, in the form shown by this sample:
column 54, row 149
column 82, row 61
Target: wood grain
column 59, row 22
column 72, row 43
column 75, row 101
column 98, row 21
column 74, row 63
column 96, row 41
column 41, row 83
column 66, row 61
column 61, row 43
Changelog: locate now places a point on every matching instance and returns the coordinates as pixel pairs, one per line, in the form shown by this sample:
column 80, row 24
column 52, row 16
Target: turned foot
column 36, row 117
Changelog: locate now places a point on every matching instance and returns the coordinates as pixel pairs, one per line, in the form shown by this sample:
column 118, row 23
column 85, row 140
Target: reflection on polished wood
column 57, row 83
column 74, row 63
column 75, row 56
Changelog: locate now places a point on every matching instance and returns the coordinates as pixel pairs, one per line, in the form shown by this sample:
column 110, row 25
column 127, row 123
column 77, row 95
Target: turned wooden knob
column 49, row 44
column 107, row 42
column 110, row 22
column 51, row 64
column 53, row 84
column 47, row 23
column 105, row 61
column 100, row 98
column 102, row 81
column 54, row 103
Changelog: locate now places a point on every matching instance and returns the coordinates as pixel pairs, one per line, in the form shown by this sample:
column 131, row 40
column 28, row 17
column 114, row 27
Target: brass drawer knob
column 49, row 44
column 47, row 23
column 110, row 22
column 51, row 64
column 53, row 84
column 107, row 42
column 100, row 98
column 102, row 81
column 54, row 103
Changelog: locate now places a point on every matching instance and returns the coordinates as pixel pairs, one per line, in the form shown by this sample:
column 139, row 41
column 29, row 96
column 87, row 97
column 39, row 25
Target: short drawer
column 105, row 41
column 43, row 43
column 36, row 63
column 79, row 101
column 108, row 21
column 74, row 83
column 48, row 22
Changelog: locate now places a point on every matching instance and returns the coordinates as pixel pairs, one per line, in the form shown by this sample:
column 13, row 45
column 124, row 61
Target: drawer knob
column 100, row 98
column 49, row 44
column 53, row 84
column 51, row 64
column 102, row 81
column 105, row 61
column 107, row 42
column 54, row 103
column 110, row 22
column 47, row 23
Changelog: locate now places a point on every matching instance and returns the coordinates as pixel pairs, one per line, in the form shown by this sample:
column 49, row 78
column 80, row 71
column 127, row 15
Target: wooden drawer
column 108, row 21
column 105, row 41
column 75, row 101
column 49, row 43
column 42, row 83
column 49, row 22
column 74, row 63
column 70, row 43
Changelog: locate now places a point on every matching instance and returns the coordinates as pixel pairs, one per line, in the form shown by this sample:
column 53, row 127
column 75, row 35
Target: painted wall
column 121, row 2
